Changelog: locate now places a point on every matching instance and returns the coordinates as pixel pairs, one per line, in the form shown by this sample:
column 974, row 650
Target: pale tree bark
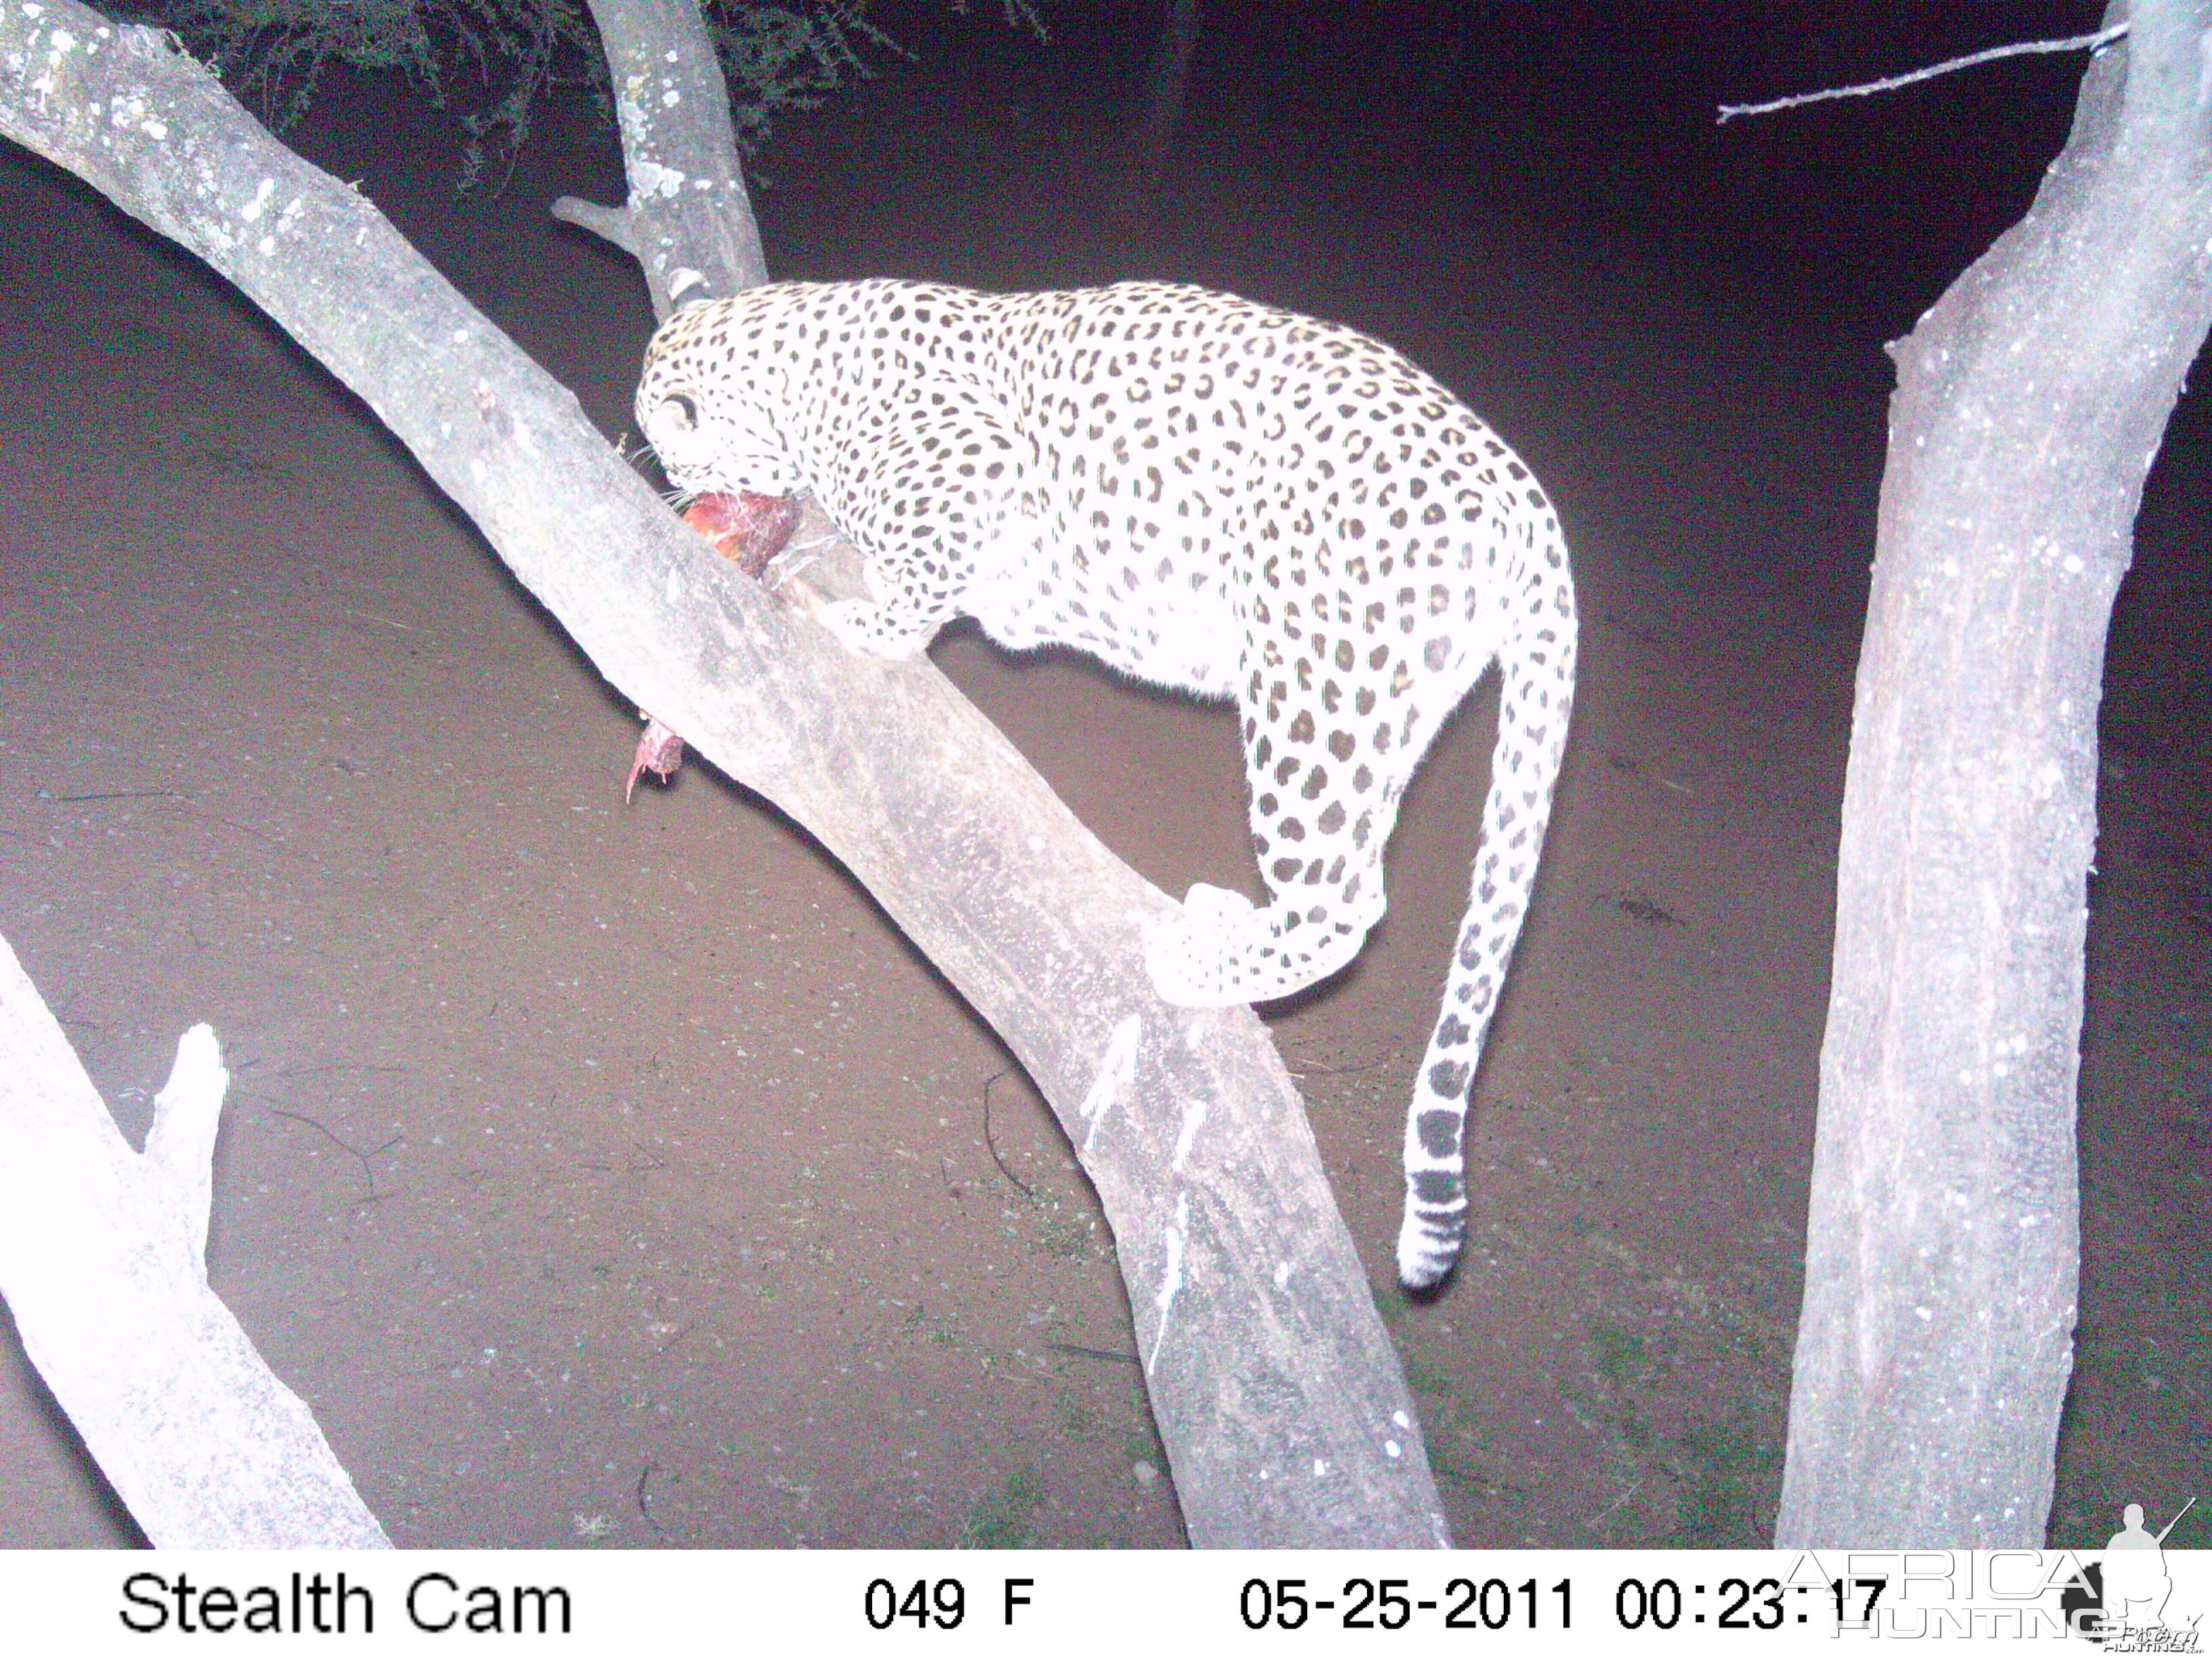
column 1936, row 1339
column 1278, row 1395
column 691, row 223
column 103, row 1263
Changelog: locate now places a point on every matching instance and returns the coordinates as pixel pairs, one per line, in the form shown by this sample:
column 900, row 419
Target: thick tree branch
column 1935, row 1342
column 103, row 1263
column 689, row 223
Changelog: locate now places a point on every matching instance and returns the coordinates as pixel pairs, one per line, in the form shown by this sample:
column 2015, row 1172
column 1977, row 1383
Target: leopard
column 1210, row 495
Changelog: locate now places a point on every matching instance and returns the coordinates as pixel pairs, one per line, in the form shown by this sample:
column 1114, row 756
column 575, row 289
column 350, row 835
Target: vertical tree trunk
column 1935, row 1340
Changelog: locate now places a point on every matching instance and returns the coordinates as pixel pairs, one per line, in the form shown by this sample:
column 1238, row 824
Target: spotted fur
column 1208, row 495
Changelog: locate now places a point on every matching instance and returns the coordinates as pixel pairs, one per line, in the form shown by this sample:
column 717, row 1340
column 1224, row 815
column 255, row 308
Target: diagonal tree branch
column 103, row 1259
column 1278, row 1394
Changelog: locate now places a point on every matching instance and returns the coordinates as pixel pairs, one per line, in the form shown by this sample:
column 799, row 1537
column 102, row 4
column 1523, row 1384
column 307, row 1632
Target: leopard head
column 708, row 416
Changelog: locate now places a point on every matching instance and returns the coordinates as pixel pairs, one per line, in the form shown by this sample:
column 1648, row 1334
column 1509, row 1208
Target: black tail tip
column 1428, row 1255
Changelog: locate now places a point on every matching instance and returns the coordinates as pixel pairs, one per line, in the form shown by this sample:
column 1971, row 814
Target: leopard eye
column 685, row 410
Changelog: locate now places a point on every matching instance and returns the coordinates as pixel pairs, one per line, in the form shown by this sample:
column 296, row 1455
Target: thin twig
column 2096, row 42
column 1311, row 1068
column 1623, row 1498
column 1082, row 1353
column 1028, row 1191
column 367, row 1171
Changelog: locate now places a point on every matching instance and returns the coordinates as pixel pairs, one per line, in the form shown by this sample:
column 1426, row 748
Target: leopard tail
column 1534, row 700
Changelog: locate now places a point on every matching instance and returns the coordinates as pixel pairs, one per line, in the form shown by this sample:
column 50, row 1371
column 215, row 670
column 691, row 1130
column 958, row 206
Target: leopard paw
column 1191, row 958
column 864, row 627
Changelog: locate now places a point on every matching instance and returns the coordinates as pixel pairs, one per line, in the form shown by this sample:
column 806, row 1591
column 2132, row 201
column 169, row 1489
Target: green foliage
column 489, row 61
column 1006, row 1519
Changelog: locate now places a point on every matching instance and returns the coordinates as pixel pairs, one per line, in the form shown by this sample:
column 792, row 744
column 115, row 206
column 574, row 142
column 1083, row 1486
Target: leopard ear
column 688, row 288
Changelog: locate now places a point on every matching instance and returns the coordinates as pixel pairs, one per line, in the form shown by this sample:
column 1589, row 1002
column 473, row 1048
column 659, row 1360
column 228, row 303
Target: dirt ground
column 614, row 1175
